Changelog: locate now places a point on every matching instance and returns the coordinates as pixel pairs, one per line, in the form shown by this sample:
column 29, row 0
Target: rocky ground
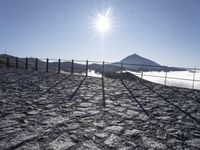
column 61, row 111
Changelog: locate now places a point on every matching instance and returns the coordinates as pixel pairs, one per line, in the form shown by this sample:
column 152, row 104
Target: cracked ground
column 51, row 111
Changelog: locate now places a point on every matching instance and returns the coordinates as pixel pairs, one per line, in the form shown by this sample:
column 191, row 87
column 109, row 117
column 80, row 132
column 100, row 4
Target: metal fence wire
column 160, row 74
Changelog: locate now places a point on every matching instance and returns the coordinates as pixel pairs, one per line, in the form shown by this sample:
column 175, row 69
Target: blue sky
column 165, row 31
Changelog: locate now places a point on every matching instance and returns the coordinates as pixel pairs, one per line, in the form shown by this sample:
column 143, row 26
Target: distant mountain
column 136, row 59
column 137, row 63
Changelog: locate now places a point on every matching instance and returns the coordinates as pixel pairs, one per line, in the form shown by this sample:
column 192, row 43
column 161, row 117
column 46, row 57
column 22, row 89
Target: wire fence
column 172, row 76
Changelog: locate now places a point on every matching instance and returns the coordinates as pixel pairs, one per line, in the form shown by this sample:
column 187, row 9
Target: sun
column 102, row 23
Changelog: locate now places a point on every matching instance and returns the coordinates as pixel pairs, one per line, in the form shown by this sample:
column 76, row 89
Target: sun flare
column 103, row 23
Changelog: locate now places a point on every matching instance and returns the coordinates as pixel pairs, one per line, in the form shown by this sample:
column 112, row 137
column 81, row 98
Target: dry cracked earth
column 50, row 111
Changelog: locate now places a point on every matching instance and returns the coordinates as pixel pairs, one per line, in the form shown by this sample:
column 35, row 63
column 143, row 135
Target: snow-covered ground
column 186, row 78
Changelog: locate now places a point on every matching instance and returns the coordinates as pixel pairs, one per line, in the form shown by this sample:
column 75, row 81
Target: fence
column 160, row 74
column 172, row 76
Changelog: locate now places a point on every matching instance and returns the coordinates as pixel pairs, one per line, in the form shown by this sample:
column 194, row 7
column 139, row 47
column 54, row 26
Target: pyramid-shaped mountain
column 137, row 63
column 136, row 59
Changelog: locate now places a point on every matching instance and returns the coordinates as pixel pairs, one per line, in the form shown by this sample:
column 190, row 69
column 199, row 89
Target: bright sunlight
column 103, row 22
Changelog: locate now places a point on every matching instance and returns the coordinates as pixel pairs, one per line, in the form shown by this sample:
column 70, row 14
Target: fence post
column 58, row 65
column 36, row 64
column 142, row 73
column 8, row 62
column 26, row 65
column 72, row 67
column 16, row 62
column 47, row 65
column 121, row 71
column 103, row 69
column 86, row 68
column 103, row 92
column 166, row 75
column 193, row 78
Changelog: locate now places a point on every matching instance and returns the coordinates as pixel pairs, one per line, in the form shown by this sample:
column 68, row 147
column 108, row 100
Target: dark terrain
column 42, row 110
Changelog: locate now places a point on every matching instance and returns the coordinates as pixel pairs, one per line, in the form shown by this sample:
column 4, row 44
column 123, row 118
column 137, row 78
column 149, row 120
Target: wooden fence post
column 103, row 91
column 36, row 64
column 166, row 75
column 16, row 62
column 142, row 72
column 47, row 65
column 86, row 70
column 103, row 69
column 121, row 71
column 8, row 62
column 26, row 63
column 72, row 67
column 194, row 78
column 59, row 66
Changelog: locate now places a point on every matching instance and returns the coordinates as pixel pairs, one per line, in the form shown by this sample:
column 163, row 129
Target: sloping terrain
column 42, row 110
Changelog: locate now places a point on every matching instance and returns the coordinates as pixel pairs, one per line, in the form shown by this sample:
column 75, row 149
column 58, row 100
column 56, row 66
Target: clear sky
column 165, row 31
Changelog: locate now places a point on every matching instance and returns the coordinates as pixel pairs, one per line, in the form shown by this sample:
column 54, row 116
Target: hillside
column 133, row 62
column 61, row 111
column 79, row 67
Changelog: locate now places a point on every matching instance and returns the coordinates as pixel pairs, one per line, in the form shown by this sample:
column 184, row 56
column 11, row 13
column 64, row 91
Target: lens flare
column 103, row 23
